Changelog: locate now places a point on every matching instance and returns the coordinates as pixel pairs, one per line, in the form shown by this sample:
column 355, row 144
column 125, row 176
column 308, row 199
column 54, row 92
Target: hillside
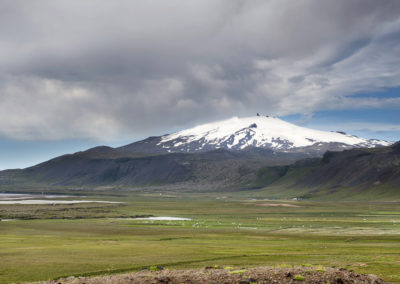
column 361, row 173
column 351, row 174
column 101, row 166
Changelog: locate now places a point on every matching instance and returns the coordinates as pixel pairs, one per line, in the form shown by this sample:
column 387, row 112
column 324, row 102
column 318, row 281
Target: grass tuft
column 156, row 268
column 299, row 278
column 240, row 271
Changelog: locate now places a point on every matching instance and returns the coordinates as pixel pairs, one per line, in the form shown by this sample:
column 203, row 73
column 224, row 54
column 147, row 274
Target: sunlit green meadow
column 224, row 230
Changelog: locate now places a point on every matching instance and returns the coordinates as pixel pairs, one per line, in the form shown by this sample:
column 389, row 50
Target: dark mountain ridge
column 219, row 170
column 105, row 166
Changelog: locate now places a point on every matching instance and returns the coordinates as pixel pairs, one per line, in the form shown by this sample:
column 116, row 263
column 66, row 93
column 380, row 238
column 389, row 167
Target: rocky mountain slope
column 103, row 166
column 368, row 173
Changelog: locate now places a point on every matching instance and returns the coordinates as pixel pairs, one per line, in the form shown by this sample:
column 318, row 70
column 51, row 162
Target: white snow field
column 260, row 131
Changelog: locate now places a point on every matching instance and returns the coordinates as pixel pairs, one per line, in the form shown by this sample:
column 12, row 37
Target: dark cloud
column 110, row 69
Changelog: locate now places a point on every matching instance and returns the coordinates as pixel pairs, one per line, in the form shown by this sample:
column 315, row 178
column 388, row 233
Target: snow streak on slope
column 258, row 131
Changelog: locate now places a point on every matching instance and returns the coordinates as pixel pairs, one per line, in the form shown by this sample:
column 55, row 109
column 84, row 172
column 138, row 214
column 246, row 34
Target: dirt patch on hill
column 230, row 275
column 277, row 205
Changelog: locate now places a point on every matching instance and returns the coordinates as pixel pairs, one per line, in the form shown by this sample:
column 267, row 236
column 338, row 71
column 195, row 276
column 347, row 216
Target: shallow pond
column 19, row 196
column 38, row 201
column 22, row 198
column 158, row 218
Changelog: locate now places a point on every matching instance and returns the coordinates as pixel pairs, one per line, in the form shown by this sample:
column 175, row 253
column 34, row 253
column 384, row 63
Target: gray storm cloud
column 110, row 69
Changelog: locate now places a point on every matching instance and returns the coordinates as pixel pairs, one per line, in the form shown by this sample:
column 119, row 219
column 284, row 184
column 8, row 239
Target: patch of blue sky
column 384, row 93
column 21, row 154
column 25, row 153
column 368, row 123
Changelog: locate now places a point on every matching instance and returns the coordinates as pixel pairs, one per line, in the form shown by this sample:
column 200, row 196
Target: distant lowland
column 261, row 155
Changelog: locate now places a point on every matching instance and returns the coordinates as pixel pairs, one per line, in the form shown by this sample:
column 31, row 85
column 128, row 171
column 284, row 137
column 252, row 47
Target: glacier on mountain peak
column 258, row 131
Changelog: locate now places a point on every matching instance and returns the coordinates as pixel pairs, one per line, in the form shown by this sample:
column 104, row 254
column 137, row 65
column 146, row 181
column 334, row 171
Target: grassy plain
column 228, row 230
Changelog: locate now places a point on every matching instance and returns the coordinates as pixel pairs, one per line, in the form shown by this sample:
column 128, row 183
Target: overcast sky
column 75, row 74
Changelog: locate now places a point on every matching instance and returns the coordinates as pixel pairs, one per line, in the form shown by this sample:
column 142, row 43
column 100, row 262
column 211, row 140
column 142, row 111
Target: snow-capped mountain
column 271, row 150
column 257, row 131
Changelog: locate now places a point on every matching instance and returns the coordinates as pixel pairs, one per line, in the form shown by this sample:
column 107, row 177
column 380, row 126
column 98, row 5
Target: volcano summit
column 252, row 132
